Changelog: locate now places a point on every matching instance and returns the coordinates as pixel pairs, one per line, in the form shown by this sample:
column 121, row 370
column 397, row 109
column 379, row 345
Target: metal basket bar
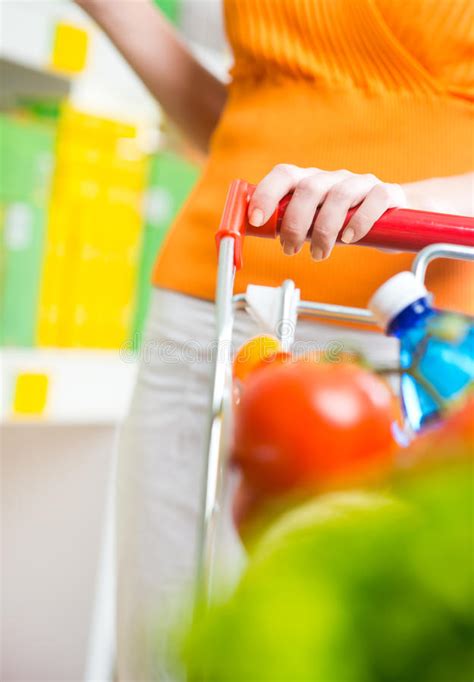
column 214, row 464
column 430, row 253
column 340, row 313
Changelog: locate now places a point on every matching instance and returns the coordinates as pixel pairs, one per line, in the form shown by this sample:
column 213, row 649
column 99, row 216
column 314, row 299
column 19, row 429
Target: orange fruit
column 252, row 353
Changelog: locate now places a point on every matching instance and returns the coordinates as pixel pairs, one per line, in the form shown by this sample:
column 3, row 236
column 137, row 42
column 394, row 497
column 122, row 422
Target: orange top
column 374, row 86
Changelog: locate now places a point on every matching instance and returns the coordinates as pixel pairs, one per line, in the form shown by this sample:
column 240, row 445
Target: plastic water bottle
column 436, row 348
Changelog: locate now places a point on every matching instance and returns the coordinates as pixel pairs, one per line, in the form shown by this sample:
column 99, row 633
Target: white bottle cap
column 396, row 294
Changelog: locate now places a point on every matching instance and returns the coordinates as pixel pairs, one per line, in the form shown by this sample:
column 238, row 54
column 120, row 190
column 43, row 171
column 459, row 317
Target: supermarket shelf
column 21, row 79
column 85, row 387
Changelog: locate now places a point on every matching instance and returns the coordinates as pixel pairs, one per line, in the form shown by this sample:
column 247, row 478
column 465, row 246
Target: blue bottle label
column 436, row 361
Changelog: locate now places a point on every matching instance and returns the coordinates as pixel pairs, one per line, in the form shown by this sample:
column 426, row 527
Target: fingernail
column 347, row 235
column 256, row 218
column 317, row 253
column 288, row 249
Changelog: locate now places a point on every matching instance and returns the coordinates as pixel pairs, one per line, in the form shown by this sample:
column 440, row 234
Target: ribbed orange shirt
column 378, row 86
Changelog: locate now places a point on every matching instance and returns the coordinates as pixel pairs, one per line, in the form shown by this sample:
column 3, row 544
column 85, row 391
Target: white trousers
column 160, row 470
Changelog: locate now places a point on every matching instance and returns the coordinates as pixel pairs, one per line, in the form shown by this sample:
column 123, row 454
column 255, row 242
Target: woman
column 379, row 87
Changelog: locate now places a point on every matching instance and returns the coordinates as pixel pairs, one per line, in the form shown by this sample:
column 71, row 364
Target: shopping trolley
column 431, row 235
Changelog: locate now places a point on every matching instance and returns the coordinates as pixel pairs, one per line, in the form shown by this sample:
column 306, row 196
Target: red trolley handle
column 399, row 228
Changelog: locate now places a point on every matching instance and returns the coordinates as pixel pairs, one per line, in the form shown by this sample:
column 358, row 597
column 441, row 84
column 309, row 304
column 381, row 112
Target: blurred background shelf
column 92, row 177
column 21, row 79
column 84, row 387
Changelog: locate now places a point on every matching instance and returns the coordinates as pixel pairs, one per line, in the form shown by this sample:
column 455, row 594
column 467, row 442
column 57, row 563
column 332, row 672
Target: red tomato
column 308, row 426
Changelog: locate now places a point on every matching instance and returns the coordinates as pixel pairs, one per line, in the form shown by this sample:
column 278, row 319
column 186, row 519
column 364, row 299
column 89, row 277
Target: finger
column 309, row 193
column 332, row 213
column 299, row 214
column 380, row 198
column 279, row 181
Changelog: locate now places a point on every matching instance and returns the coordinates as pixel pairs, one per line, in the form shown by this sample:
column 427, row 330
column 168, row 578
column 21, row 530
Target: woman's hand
column 330, row 194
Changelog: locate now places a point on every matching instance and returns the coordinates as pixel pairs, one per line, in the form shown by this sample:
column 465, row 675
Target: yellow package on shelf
column 93, row 132
column 83, row 255
column 106, row 277
column 56, row 264
column 97, row 210
column 70, row 44
column 30, row 394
